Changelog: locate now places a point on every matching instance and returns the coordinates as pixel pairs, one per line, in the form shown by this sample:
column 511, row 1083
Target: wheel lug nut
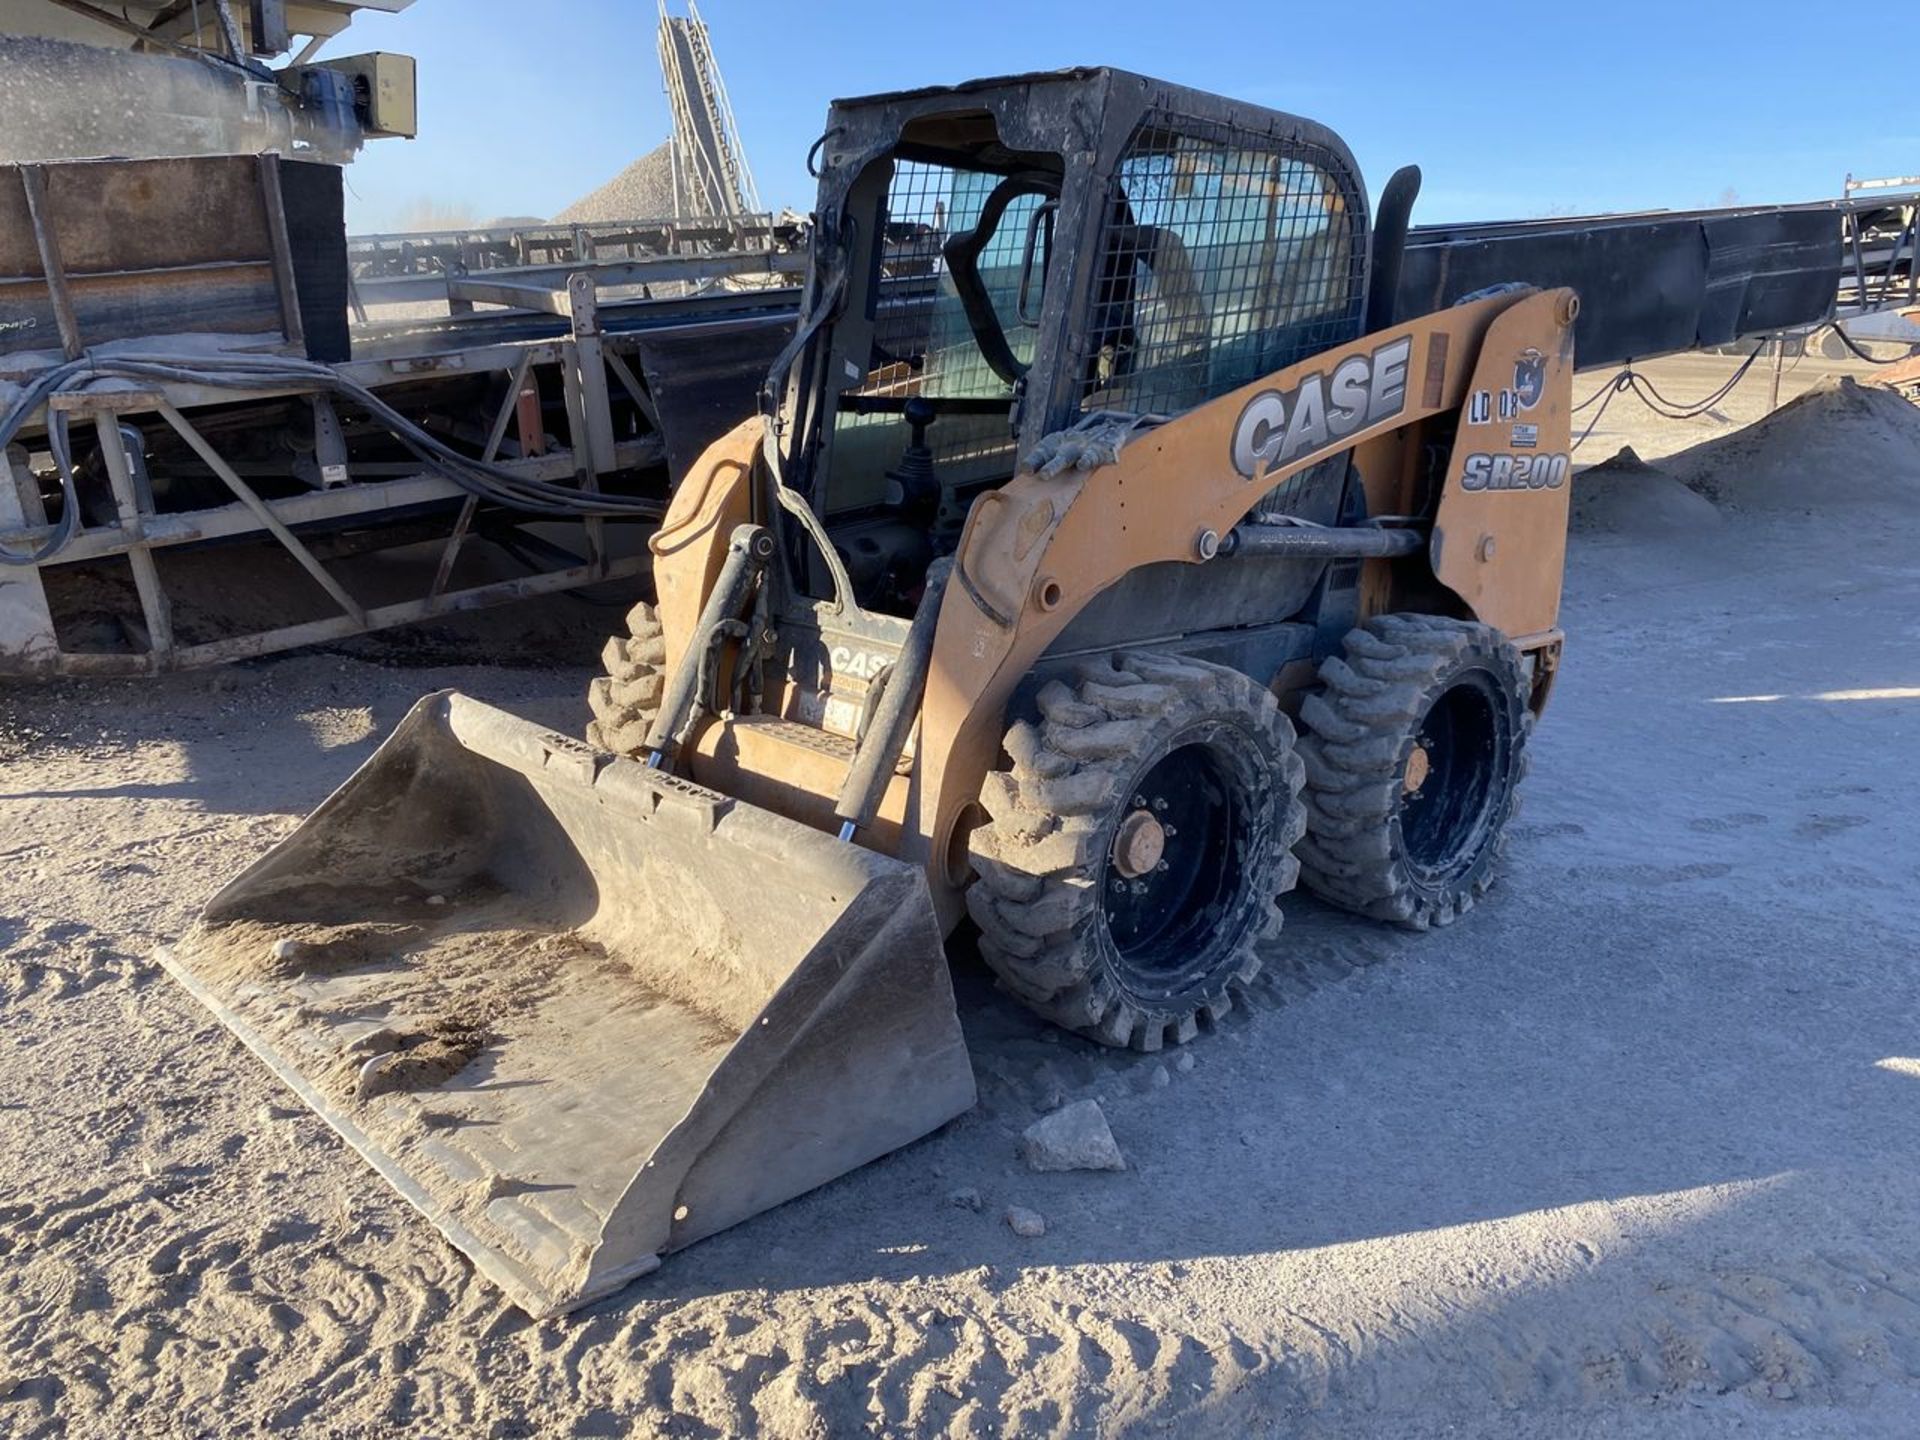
column 1168, row 831
column 1119, row 886
column 1161, row 867
column 1139, row 802
column 1160, row 802
column 1139, row 887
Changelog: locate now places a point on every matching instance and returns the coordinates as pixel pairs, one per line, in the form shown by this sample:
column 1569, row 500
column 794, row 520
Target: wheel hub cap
column 1138, row 844
column 1419, row 766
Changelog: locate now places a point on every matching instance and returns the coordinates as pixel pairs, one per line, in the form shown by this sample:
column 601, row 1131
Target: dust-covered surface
column 1630, row 1151
column 403, row 1004
column 519, row 1077
column 61, row 99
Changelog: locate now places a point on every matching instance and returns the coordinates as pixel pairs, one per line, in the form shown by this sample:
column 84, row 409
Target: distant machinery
column 710, row 172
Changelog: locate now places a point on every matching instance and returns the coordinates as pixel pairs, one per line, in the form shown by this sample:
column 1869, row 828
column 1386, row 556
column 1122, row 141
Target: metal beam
column 509, row 407
column 154, row 606
column 270, row 522
column 360, row 498
column 381, row 617
column 544, row 288
column 33, row 178
column 283, row 273
column 338, row 627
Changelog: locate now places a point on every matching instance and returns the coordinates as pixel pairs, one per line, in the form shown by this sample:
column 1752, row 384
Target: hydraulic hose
column 479, row 478
column 38, row 393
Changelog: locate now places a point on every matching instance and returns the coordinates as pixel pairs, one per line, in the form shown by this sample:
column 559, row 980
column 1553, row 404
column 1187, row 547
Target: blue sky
column 1511, row 110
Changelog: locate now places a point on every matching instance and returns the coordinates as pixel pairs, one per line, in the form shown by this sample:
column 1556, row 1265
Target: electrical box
column 384, row 92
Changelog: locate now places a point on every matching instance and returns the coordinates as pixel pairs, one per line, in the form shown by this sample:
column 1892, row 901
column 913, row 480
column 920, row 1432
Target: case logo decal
column 1279, row 427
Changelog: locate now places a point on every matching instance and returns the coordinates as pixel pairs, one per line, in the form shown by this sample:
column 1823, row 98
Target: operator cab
column 951, row 233
column 996, row 260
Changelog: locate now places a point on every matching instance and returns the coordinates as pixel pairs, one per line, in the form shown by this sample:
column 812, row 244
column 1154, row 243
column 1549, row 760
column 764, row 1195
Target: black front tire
column 626, row 698
column 1136, row 936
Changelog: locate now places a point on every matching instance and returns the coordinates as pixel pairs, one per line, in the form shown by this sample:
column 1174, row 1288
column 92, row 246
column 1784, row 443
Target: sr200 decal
column 1279, row 427
column 1514, row 472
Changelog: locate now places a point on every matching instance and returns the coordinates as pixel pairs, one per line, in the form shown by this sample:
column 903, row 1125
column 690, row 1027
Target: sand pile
column 1627, row 496
column 642, row 191
column 1840, row 443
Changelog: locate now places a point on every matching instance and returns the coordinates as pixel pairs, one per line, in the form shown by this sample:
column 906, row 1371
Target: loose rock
column 1074, row 1137
column 966, row 1199
column 1051, row 1093
column 1025, row 1223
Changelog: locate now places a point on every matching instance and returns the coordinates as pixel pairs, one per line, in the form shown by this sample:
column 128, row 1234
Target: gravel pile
column 642, row 191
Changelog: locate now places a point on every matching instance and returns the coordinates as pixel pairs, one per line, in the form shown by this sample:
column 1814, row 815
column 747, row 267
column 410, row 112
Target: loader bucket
column 579, row 1012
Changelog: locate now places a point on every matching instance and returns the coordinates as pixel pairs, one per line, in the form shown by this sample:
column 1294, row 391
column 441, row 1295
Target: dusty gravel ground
column 1631, row 1151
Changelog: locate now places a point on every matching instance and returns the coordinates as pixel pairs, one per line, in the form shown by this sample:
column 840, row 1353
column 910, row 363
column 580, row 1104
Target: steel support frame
column 1877, row 286
column 546, row 288
column 155, row 609
column 426, row 252
column 405, row 269
column 28, row 644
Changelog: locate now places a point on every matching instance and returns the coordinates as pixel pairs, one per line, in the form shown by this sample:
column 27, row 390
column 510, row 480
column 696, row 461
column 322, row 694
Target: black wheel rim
column 1163, row 923
column 1466, row 735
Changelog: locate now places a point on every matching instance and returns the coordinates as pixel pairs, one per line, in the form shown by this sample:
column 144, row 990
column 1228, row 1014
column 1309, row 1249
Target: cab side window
column 1223, row 258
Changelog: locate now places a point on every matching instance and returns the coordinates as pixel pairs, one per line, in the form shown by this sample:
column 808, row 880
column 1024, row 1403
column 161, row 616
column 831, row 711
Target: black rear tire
column 1137, row 849
column 1415, row 746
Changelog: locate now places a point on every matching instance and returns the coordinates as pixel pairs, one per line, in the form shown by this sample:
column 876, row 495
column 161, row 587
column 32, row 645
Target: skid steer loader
column 1098, row 463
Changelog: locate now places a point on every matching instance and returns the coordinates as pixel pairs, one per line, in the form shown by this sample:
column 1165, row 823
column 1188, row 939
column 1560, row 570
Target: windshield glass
column 944, row 226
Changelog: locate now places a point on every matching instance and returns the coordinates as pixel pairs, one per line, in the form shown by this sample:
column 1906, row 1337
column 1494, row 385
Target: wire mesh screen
column 1225, row 256
column 923, row 340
